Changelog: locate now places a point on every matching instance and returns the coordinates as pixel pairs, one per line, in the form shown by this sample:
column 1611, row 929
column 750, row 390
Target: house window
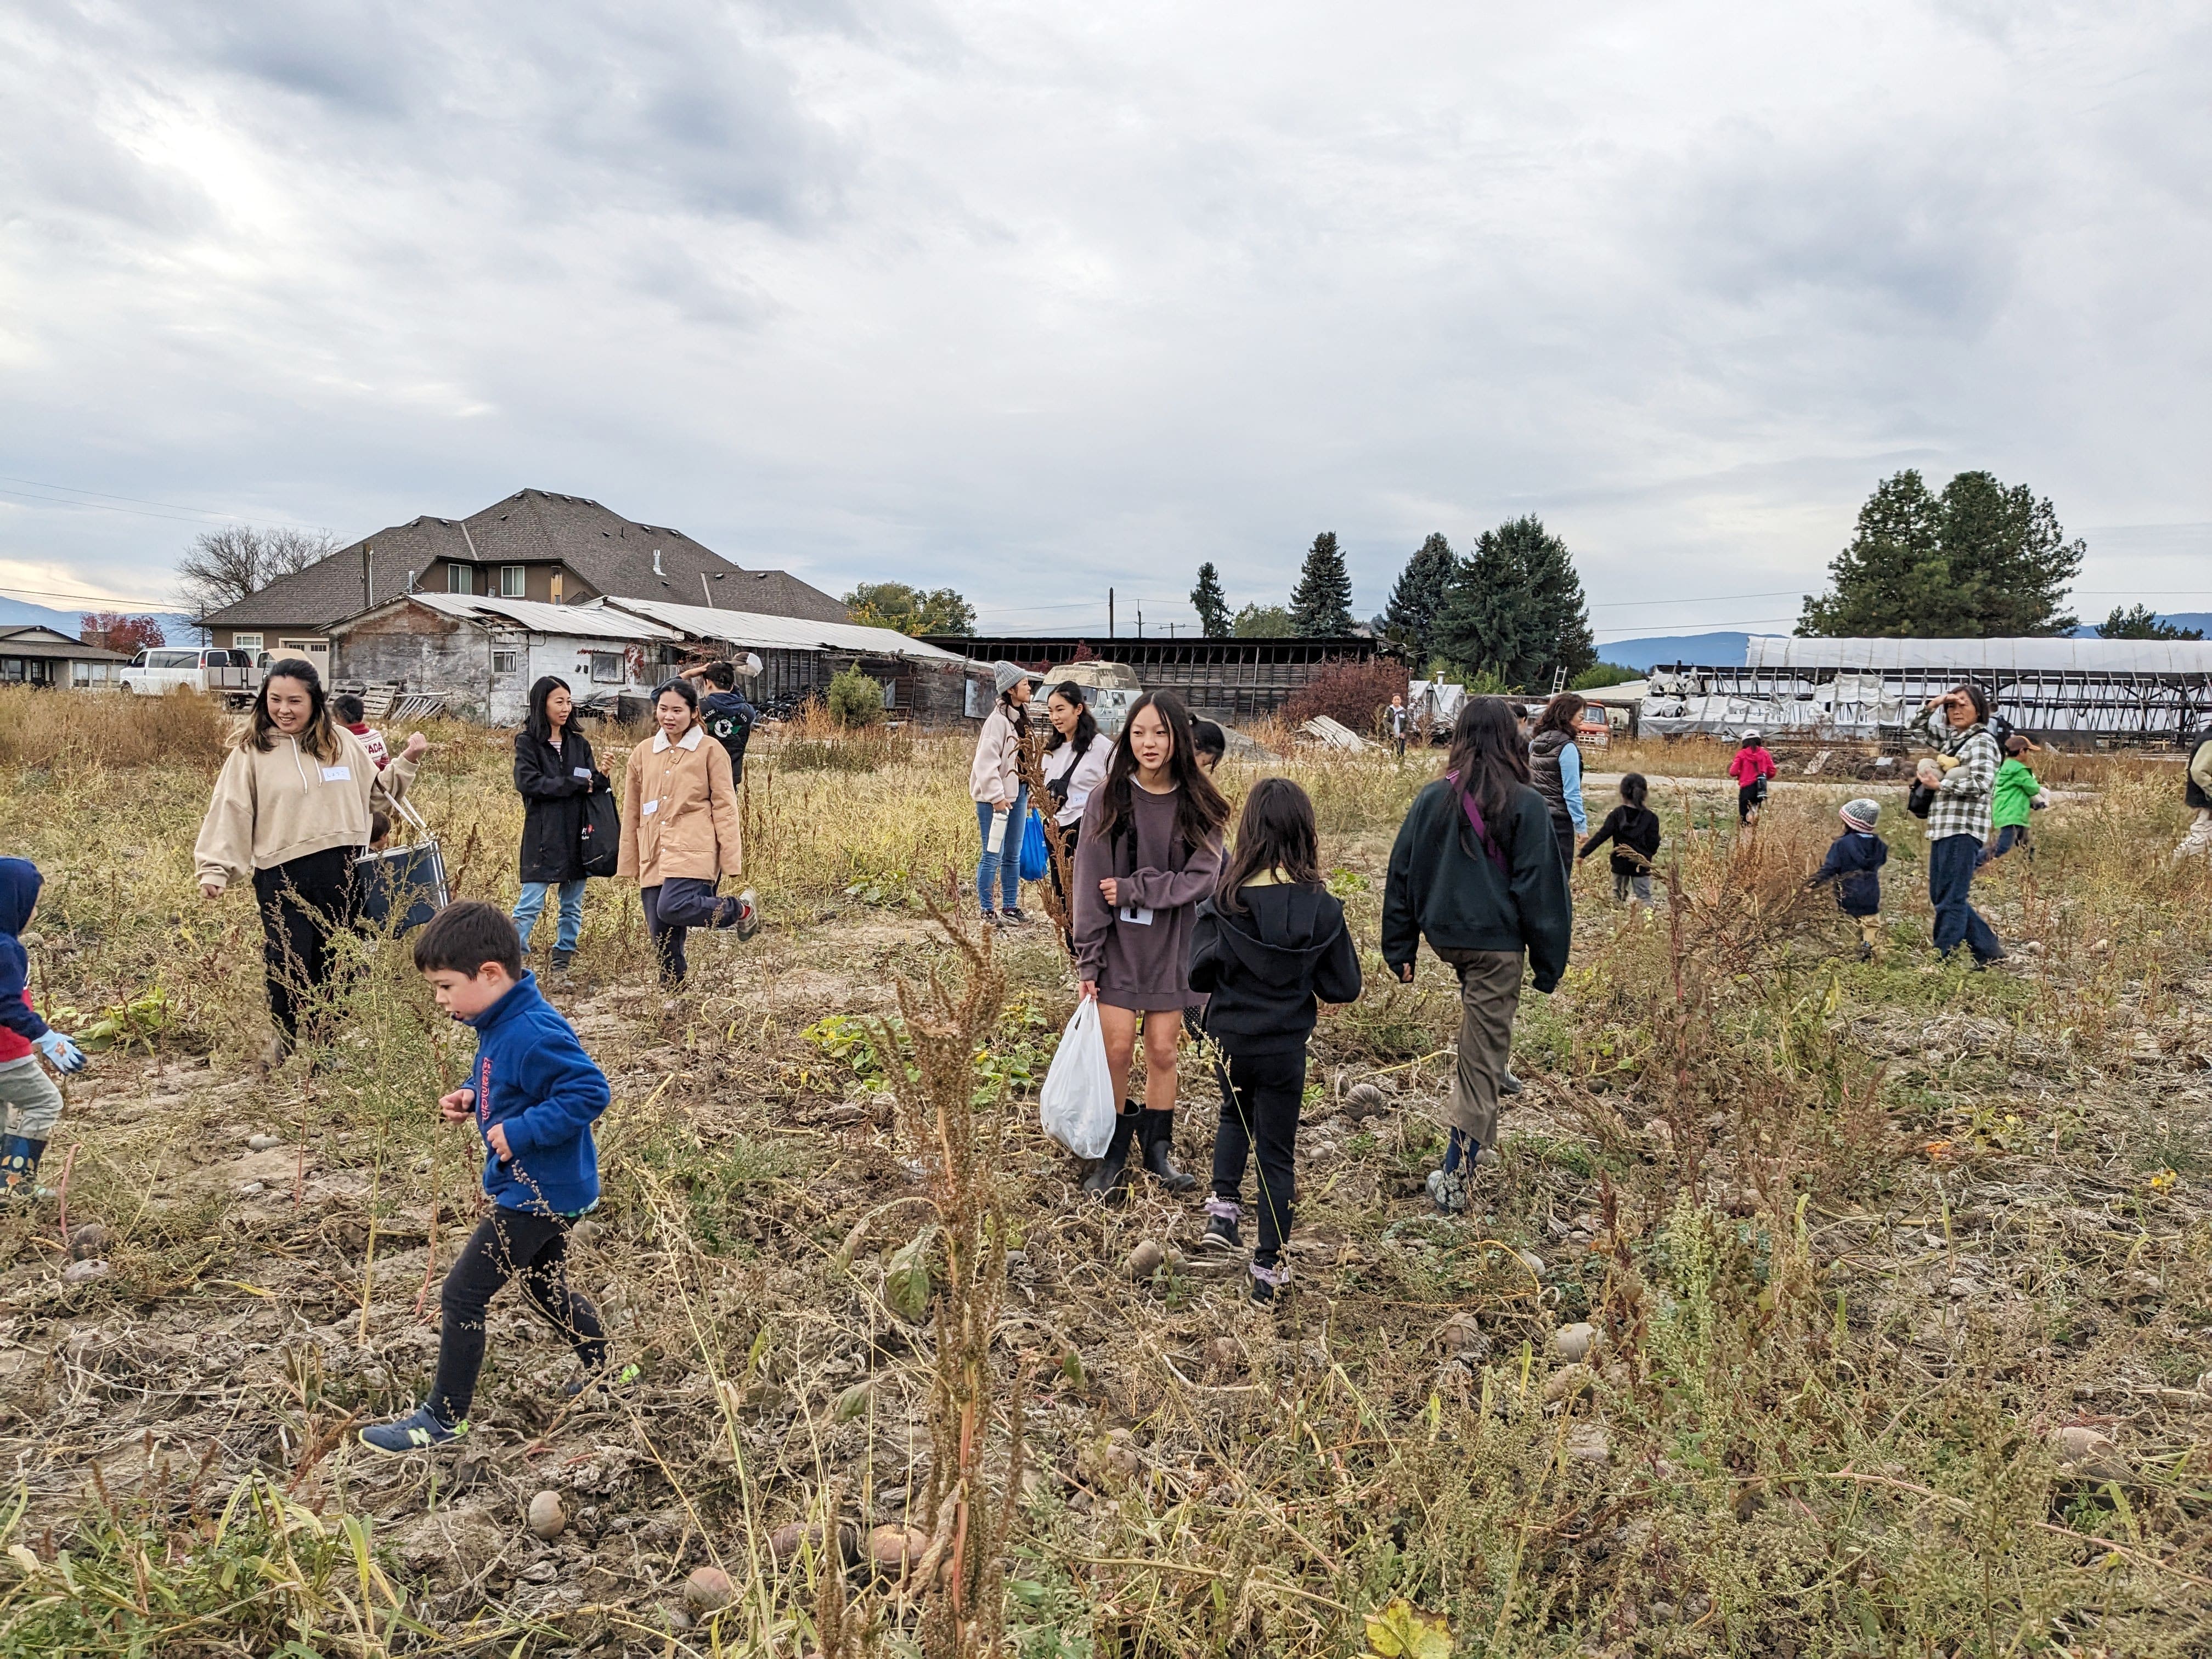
column 606, row 668
column 511, row 585
column 460, row 579
column 504, row 662
column 246, row 641
column 317, row 652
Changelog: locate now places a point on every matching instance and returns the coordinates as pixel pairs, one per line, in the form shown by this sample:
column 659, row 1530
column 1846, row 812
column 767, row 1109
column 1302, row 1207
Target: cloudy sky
column 1036, row 299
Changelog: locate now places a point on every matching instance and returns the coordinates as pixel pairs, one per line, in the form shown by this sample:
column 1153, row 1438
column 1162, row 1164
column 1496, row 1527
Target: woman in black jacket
column 1476, row 871
column 553, row 773
column 1269, row 942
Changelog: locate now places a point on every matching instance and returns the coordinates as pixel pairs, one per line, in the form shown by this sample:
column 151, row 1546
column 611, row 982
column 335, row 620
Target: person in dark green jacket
column 1476, row 872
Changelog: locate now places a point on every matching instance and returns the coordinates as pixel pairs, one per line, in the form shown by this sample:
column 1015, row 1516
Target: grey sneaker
column 421, row 1430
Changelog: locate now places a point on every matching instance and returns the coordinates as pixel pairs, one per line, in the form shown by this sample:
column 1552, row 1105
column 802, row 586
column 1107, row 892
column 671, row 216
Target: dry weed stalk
column 959, row 1574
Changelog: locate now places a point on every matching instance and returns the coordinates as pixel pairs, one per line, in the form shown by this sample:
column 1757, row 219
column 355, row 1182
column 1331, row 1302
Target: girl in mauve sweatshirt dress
column 1149, row 851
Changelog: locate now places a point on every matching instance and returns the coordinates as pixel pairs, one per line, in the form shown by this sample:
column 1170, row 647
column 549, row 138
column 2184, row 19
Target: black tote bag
column 601, row 836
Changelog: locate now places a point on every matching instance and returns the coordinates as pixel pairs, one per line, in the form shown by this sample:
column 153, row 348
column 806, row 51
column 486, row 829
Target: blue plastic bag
column 1034, row 860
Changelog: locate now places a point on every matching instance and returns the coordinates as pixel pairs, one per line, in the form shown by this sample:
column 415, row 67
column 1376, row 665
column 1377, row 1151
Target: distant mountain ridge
column 18, row 613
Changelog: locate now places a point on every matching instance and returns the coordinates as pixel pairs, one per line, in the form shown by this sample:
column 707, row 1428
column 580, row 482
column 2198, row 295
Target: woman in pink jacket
column 1750, row 766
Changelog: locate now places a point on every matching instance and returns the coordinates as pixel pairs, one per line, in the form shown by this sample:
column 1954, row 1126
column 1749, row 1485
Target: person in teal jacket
column 2017, row 793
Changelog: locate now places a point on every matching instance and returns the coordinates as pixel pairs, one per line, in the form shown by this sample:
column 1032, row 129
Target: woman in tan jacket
column 291, row 809
column 680, row 831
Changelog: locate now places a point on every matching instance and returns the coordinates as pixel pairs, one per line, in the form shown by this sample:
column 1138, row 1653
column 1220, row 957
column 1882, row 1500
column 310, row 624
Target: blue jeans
column 2012, row 836
column 1950, row 881
column 1002, row 868
column 532, row 905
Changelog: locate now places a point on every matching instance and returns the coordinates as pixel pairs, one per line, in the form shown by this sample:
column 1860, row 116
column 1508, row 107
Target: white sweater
column 1082, row 776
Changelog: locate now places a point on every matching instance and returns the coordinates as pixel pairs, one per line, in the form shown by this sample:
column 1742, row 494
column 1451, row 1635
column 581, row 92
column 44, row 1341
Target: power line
column 206, row 514
column 89, row 598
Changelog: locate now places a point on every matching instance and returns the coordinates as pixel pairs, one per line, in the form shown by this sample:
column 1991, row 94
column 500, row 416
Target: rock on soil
column 83, row 1272
column 2089, row 1454
column 707, row 1590
column 261, row 1143
column 1587, row 1444
column 548, row 1519
column 1147, row 1259
column 894, row 1549
column 1573, row 1343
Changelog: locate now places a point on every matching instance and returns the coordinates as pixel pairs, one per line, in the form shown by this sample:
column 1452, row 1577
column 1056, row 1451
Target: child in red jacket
column 1750, row 766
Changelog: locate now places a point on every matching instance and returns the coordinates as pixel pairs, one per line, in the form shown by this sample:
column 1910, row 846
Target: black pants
column 1749, row 795
column 303, row 903
column 1259, row 1099
column 509, row 1243
column 1563, row 830
column 673, row 908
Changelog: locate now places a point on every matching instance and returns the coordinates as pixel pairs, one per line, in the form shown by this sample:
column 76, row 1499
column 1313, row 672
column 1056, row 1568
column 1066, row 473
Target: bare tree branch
column 223, row 566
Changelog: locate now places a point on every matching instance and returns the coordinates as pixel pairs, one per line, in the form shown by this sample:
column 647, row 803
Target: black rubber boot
column 1155, row 1130
column 1102, row 1180
column 19, row 1165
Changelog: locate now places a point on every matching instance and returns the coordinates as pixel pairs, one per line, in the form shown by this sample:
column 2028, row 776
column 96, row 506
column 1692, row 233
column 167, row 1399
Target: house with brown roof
column 32, row 654
column 536, row 546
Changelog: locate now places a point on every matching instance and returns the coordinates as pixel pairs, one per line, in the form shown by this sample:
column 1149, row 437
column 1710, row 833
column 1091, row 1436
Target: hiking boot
column 1101, row 1182
column 1221, row 1235
column 18, row 1166
column 563, row 961
column 421, row 1430
column 1509, row 1083
column 1156, row 1131
column 747, row 915
column 1014, row 916
column 1267, row 1281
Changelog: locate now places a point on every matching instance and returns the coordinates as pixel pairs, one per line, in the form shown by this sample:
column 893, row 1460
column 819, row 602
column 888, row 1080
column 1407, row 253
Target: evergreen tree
column 1210, row 603
column 1320, row 604
column 1981, row 560
column 2136, row 622
column 1409, row 620
column 1514, row 609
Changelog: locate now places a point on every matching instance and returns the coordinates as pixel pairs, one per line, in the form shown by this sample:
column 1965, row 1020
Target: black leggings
column 1259, row 1099
column 509, row 1243
column 303, row 904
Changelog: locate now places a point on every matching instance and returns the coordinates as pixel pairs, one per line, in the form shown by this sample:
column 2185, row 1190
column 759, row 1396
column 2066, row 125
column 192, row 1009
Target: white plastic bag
column 1077, row 1107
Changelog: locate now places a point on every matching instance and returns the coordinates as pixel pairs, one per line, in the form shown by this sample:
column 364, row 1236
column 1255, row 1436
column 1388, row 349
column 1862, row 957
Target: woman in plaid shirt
column 1959, row 818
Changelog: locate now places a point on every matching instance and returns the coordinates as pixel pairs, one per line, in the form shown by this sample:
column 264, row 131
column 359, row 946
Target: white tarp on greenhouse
column 1989, row 656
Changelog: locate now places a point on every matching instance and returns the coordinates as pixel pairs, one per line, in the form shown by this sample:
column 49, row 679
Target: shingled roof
column 615, row 555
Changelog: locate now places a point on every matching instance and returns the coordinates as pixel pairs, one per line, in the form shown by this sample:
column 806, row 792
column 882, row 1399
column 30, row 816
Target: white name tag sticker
column 1131, row 913
column 583, row 771
column 649, row 809
column 338, row 775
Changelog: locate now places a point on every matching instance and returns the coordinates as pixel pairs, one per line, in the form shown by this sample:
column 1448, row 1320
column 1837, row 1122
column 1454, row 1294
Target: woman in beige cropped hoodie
column 290, row 810
column 680, row 830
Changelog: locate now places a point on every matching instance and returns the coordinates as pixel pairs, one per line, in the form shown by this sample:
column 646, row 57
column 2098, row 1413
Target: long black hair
column 1560, row 714
column 1200, row 809
column 1633, row 789
column 540, row 724
column 683, row 688
column 1086, row 725
column 1275, row 832
column 1491, row 764
column 318, row 736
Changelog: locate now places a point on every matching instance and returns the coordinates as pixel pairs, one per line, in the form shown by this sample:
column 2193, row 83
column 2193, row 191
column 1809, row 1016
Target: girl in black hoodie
column 1269, row 942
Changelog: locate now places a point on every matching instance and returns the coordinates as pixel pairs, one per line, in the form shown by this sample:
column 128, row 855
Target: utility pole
column 1140, row 622
column 1109, row 613
column 1170, row 633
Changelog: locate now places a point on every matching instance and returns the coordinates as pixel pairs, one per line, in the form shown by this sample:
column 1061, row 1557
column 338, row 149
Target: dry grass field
column 1899, row 1278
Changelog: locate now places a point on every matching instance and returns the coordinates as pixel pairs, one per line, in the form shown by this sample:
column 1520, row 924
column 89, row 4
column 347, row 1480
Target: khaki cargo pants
column 1489, row 996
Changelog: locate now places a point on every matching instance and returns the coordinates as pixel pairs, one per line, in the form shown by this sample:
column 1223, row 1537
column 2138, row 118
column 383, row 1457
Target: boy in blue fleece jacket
column 533, row 1092
column 1854, row 865
column 29, row 1100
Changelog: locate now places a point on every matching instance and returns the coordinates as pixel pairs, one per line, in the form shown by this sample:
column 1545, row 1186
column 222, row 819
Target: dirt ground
column 1810, row 1306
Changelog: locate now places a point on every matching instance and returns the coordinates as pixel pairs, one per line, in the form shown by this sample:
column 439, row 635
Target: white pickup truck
column 229, row 675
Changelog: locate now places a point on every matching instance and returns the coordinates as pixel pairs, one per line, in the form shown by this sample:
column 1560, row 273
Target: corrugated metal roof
column 585, row 622
column 762, row 632
column 1994, row 656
